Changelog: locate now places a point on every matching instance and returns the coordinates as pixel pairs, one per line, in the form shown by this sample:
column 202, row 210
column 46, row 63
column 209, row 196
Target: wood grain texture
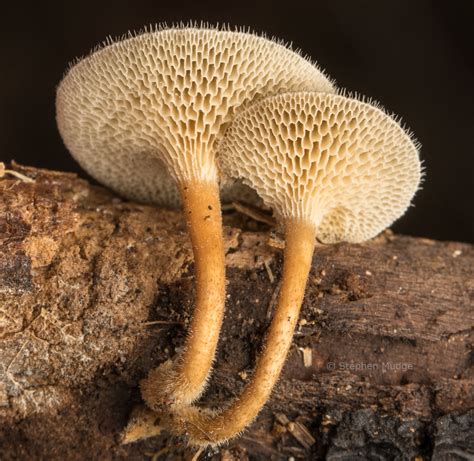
column 95, row 291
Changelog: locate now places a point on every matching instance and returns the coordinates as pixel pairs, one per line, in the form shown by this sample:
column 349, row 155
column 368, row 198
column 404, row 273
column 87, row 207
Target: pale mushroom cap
column 169, row 94
column 340, row 163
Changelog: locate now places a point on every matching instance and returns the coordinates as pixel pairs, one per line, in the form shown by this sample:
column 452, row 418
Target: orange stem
column 213, row 428
column 184, row 380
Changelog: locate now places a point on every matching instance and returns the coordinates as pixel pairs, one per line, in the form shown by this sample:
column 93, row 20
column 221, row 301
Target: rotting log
column 95, row 291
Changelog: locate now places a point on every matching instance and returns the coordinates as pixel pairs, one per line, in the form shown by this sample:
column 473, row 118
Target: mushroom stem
column 182, row 382
column 206, row 428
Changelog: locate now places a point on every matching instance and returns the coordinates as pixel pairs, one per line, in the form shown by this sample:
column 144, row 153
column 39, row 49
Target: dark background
column 415, row 57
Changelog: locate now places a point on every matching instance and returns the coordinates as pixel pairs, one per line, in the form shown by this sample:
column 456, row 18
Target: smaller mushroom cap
column 340, row 163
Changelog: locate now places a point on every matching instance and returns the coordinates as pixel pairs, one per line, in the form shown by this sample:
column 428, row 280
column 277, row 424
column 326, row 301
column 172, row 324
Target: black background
column 415, row 57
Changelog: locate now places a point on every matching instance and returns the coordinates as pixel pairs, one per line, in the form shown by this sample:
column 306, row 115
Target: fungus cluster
column 164, row 99
column 166, row 115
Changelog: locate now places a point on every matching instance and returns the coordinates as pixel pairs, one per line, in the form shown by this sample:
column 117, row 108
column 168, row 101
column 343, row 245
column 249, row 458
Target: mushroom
column 165, row 97
column 332, row 168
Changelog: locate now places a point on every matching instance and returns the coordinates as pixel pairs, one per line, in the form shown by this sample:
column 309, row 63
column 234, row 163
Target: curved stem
column 214, row 428
column 183, row 381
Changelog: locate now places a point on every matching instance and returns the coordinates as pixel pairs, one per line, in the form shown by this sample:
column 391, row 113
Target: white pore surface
column 165, row 98
column 342, row 164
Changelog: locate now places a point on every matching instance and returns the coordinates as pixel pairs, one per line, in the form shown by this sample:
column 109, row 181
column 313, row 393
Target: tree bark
column 95, row 291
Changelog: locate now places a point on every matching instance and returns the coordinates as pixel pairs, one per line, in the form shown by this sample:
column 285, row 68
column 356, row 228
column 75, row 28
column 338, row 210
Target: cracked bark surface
column 95, row 291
